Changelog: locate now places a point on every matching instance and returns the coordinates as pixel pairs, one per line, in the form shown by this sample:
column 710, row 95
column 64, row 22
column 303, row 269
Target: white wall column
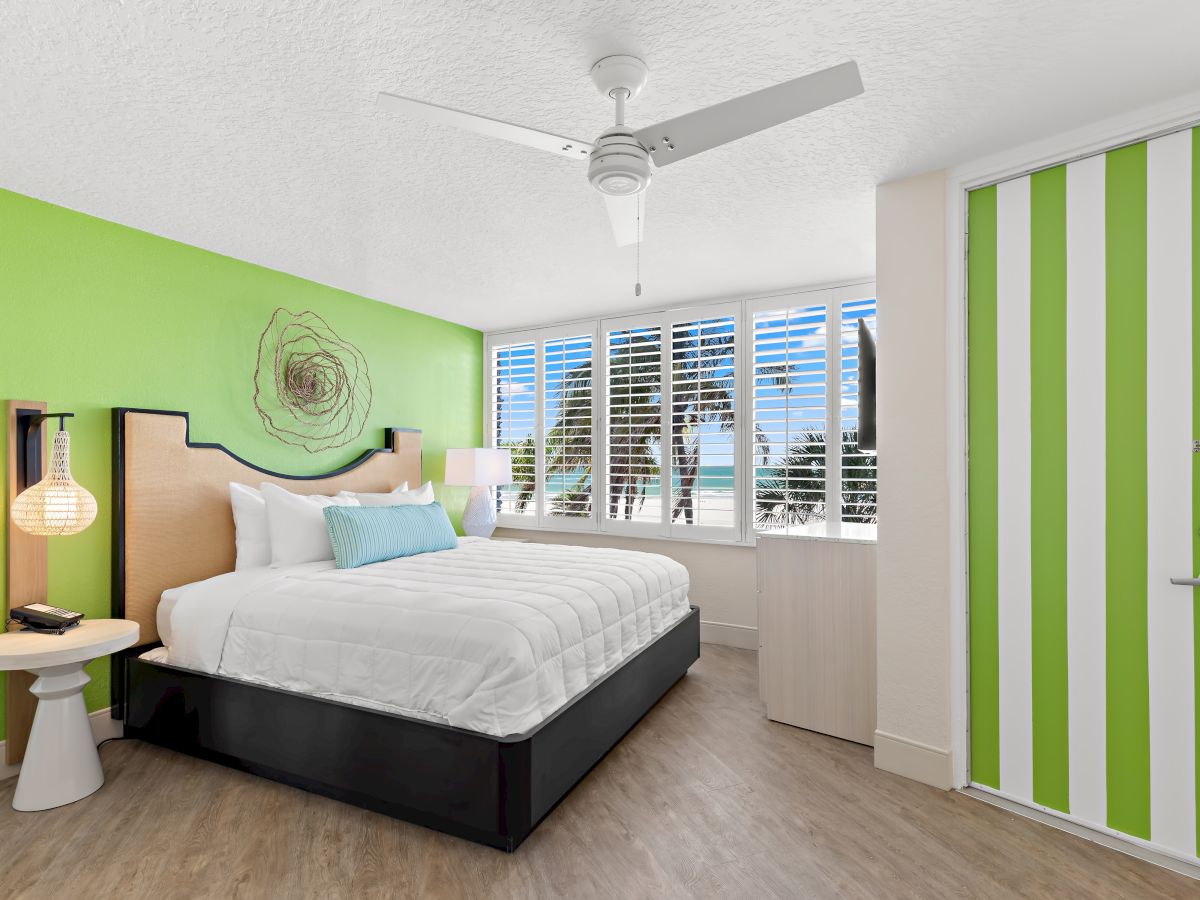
column 913, row 736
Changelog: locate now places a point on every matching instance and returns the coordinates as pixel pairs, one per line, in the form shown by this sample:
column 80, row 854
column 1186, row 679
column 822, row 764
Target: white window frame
column 833, row 299
column 506, row 519
column 841, row 296
column 796, row 300
column 539, row 336
column 674, row 317
column 665, row 322
column 628, row 528
column 743, row 311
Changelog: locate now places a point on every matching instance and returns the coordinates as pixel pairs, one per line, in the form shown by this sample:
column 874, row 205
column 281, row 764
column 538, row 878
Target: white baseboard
column 912, row 759
column 743, row 637
column 104, row 726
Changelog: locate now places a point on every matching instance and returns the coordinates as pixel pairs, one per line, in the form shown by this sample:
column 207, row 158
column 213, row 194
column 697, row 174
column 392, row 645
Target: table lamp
column 482, row 469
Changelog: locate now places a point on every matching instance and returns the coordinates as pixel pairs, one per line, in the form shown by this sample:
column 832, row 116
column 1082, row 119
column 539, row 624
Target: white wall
column 913, row 736
column 724, row 580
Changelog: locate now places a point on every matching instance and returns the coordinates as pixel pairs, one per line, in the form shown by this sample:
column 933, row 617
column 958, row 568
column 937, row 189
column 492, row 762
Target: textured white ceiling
column 250, row 129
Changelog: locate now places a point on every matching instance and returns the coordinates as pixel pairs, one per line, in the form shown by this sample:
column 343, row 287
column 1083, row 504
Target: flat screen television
column 866, row 388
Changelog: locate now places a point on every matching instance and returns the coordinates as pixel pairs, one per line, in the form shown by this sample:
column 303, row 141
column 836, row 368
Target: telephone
column 46, row 619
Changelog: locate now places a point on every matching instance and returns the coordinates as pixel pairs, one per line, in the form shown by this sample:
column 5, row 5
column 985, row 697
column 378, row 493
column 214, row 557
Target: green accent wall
column 97, row 315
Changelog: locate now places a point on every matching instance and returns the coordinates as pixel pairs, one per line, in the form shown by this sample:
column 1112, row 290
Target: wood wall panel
column 816, row 622
column 27, row 583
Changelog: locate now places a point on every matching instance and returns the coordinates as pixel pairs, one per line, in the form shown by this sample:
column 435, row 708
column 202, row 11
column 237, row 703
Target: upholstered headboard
column 172, row 522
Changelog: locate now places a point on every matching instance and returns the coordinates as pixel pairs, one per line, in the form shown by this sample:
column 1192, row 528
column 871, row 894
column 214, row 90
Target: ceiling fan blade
column 716, row 125
column 518, row 134
column 627, row 218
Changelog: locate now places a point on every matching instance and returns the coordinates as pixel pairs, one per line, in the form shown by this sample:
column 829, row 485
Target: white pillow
column 401, row 496
column 395, row 493
column 251, row 536
column 297, row 525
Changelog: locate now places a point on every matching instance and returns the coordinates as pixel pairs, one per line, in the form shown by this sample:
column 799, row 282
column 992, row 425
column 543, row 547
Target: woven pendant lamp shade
column 56, row 505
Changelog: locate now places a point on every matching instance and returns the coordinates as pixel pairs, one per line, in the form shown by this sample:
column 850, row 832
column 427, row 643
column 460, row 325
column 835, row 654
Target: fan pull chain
column 637, row 288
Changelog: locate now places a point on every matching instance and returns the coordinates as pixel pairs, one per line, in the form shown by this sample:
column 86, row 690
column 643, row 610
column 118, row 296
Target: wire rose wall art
column 311, row 388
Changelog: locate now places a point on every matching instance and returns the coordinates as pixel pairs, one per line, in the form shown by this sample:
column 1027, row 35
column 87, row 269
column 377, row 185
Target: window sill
column 839, row 539
column 676, row 539
column 833, row 538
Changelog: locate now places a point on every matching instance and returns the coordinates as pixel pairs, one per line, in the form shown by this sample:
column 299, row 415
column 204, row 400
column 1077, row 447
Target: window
column 513, row 414
column 540, row 406
column 567, row 427
column 703, row 423
column 859, row 479
column 790, row 417
column 641, row 424
column 805, row 375
column 670, row 383
column 633, row 425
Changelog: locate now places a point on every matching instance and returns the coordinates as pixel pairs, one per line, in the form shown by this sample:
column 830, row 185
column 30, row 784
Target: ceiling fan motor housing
column 619, row 164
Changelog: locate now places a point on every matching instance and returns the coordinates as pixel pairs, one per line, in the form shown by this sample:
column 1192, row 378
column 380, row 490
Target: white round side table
column 61, row 764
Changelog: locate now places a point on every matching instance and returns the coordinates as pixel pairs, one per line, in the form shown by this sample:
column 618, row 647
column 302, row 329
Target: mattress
column 492, row 636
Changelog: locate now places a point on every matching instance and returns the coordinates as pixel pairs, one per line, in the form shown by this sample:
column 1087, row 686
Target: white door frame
column 1150, row 122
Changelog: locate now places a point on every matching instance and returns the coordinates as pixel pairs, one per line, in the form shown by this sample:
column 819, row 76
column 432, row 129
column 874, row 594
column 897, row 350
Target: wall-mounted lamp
column 55, row 504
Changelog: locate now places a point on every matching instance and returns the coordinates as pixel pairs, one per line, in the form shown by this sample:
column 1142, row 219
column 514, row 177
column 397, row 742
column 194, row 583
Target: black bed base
column 486, row 789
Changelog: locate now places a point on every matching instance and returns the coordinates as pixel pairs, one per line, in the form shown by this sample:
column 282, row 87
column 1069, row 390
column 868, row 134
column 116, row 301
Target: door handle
column 1186, row 582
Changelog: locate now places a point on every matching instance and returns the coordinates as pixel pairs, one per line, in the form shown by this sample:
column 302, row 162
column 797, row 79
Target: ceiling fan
column 619, row 160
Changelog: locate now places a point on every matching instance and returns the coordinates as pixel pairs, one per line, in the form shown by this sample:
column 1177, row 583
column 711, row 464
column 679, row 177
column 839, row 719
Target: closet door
column 1083, row 413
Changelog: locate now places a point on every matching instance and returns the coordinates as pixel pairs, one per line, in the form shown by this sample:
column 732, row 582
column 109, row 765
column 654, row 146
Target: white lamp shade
column 56, row 505
column 478, row 467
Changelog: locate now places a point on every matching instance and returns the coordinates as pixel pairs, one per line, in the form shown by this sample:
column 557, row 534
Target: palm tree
column 702, row 380
column 634, row 420
column 575, row 501
column 702, row 394
column 793, row 492
column 524, row 472
column 859, row 482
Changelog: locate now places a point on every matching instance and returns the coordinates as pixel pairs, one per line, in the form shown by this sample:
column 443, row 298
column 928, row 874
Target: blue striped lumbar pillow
column 367, row 534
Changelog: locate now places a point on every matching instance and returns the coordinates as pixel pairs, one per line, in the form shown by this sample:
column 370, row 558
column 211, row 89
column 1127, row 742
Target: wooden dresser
column 816, row 627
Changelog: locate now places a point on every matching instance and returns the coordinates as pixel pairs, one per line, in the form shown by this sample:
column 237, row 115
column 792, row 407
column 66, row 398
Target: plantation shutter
column 858, row 475
column 633, row 426
column 512, row 408
column 790, row 412
column 708, row 423
column 701, row 425
column 567, row 417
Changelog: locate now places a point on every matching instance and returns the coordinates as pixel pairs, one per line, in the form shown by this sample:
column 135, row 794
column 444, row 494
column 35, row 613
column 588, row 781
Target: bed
column 466, row 690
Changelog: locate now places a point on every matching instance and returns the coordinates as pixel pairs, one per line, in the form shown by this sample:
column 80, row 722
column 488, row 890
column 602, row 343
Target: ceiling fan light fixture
column 619, row 165
column 619, row 185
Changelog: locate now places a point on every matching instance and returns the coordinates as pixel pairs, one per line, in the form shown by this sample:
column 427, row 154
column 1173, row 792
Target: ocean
column 712, row 478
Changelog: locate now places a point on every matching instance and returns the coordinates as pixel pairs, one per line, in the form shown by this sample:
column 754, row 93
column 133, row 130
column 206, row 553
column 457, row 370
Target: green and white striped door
column 1083, row 403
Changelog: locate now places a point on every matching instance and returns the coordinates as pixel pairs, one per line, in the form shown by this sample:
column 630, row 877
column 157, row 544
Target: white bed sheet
column 493, row 636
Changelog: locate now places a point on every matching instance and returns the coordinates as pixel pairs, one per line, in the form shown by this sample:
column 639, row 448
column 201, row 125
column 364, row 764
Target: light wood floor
column 705, row 798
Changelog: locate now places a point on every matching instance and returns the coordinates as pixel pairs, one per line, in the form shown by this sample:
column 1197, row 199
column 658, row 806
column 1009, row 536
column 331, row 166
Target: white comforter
column 493, row 636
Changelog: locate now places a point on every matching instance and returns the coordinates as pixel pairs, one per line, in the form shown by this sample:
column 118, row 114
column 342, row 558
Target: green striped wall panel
column 1084, row 495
